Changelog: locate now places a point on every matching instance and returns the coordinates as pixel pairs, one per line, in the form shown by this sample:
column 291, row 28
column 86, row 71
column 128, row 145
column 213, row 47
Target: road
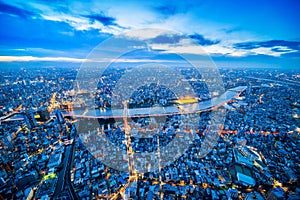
column 286, row 82
column 64, row 186
column 62, row 173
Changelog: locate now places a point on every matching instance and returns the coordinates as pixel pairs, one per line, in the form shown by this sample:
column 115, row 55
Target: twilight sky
column 243, row 33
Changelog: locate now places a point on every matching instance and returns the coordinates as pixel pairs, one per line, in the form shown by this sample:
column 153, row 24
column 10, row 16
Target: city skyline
column 233, row 33
column 149, row 100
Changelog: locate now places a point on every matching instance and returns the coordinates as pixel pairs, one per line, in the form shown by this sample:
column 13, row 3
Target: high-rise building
column 59, row 116
column 30, row 120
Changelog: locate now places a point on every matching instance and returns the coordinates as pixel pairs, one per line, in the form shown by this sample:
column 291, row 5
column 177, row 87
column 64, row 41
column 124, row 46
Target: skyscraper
column 30, row 120
column 59, row 116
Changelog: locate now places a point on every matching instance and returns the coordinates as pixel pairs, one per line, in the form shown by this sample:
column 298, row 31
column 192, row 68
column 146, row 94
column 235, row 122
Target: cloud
column 185, row 45
column 59, row 29
column 167, row 38
column 114, row 18
column 84, row 23
column 32, row 58
column 146, row 34
column 202, row 40
column 271, row 47
column 160, row 36
column 105, row 20
column 174, row 38
column 271, row 43
column 20, row 33
column 16, row 11
column 77, row 15
column 78, row 60
column 167, row 42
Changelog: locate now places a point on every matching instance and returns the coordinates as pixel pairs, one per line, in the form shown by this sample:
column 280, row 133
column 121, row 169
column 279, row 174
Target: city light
column 97, row 103
column 49, row 176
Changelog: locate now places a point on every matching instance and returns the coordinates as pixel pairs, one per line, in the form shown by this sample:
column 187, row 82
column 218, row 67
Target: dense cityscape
column 44, row 153
column 149, row 100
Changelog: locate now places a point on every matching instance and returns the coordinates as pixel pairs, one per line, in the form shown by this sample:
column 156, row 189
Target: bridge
column 155, row 111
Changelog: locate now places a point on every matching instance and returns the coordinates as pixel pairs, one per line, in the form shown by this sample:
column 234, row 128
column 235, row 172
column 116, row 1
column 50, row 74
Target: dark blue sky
column 231, row 32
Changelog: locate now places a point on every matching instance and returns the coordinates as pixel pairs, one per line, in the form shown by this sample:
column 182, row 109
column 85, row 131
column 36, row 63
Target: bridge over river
column 148, row 111
column 161, row 110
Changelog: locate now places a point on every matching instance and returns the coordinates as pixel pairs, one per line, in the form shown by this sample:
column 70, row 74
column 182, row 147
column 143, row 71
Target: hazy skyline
column 233, row 32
